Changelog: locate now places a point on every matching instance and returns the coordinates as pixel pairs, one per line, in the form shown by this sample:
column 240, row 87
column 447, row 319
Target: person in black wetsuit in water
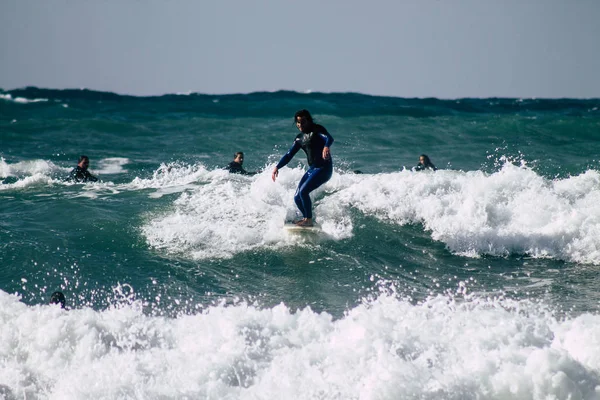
column 315, row 141
column 235, row 167
column 58, row 298
column 425, row 163
column 80, row 173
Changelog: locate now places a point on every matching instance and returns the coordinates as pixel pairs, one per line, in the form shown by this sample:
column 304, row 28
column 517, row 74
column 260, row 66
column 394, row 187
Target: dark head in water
column 80, row 173
column 58, row 298
column 425, row 163
column 239, row 157
column 303, row 121
column 84, row 162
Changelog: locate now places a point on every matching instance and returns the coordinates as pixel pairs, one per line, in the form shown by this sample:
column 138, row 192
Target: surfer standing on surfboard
column 315, row 141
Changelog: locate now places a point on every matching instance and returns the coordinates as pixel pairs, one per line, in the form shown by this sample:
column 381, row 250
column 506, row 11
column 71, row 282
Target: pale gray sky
column 406, row 48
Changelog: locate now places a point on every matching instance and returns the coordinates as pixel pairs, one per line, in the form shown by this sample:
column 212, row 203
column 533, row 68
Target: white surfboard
column 293, row 228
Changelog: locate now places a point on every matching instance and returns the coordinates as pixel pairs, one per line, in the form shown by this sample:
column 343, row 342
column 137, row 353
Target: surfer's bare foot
column 305, row 222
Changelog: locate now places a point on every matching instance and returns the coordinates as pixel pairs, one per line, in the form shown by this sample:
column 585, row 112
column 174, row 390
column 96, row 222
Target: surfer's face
column 239, row 159
column 303, row 124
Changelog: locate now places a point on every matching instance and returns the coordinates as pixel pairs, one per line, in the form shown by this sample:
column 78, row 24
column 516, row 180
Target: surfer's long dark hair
column 303, row 113
column 427, row 162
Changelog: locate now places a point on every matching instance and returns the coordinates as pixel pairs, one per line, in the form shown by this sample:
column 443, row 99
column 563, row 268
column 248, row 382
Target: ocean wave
column 31, row 173
column 386, row 347
column 174, row 174
column 512, row 211
column 27, row 182
column 231, row 214
column 279, row 102
column 218, row 219
column 29, row 168
column 21, row 100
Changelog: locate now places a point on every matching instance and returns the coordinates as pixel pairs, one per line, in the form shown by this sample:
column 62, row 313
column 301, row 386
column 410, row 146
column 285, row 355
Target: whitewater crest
column 21, row 100
column 385, row 347
column 511, row 211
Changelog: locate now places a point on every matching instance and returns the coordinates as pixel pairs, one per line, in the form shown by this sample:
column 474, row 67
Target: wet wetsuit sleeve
column 327, row 138
column 72, row 175
column 76, row 175
column 287, row 157
column 90, row 177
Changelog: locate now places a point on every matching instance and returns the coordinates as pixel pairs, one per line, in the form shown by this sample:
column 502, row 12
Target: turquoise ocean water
column 477, row 281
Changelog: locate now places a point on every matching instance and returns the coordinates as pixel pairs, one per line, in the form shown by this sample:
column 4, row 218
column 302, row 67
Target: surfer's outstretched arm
column 287, row 157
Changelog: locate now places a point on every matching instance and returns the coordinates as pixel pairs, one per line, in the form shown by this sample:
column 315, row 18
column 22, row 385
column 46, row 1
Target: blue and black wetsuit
column 319, row 170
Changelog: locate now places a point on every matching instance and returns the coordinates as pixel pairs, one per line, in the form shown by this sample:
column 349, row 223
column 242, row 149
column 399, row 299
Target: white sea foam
column 168, row 178
column 174, row 177
column 21, row 100
column 41, row 172
column 231, row 213
column 29, row 173
column 512, row 211
column 111, row 165
column 33, row 180
column 473, row 213
column 27, row 168
column 386, row 348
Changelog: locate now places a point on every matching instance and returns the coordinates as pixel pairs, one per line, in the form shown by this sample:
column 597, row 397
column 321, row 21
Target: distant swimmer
column 58, row 298
column 424, row 163
column 80, row 173
column 315, row 141
column 235, row 167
